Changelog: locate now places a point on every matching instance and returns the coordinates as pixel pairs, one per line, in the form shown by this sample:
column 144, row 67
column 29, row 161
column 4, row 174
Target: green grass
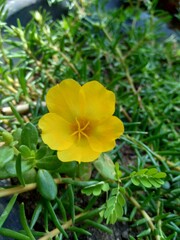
column 140, row 65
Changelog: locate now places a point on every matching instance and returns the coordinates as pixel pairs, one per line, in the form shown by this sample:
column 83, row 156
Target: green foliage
column 148, row 178
column 105, row 166
column 96, row 189
column 29, row 136
column 138, row 181
column 46, row 184
column 6, row 155
column 114, row 206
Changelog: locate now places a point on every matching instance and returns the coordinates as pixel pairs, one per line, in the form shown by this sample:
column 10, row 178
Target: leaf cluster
column 148, row 178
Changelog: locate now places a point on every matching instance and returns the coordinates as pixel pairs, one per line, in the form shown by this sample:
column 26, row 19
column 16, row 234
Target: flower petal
column 80, row 152
column 102, row 137
column 63, row 99
column 56, row 132
column 99, row 102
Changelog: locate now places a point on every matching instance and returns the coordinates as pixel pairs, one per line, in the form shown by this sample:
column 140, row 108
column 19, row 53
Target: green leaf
column 99, row 226
column 135, row 181
column 154, row 183
column 144, row 181
column 84, row 171
column 25, row 223
column 7, row 137
column 29, row 136
column 105, row 166
column 148, row 178
column 105, row 187
column 144, row 233
column 10, row 167
column 51, row 163
column 160, row 181
column 55, row 219
column 159, row 175
column 41, row 152
column 30, row 176
column 35, row 216
column 13, row 234
column 142, row 171
column 79, row 230
column 19, row 170
column 71, row 201
column 118, row 172
column 114, row 206
column 69, row 168
column 7, row 210
column 25, row 151
column 152, row 171
column 46, row 185
column 97, row 191
column 4, row 174
column 121, row 199
column 96, row 188
column 6, row 155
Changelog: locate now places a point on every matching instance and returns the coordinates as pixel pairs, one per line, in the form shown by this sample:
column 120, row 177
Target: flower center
column 81, row 129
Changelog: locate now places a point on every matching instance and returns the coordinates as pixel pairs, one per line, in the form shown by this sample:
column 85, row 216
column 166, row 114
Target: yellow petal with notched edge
column 99, row 102
column 56, row 131
column 63, row 99
column 81, row 152
column 103, row 135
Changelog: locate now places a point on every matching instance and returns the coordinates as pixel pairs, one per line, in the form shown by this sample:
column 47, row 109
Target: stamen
column 80, row 130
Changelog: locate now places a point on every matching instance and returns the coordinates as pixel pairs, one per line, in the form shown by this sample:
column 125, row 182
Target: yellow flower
column 80, row 125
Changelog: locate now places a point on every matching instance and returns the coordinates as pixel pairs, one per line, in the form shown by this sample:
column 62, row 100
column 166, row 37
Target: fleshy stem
column 145, row 215
column 22, row 189
column 32, row 186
